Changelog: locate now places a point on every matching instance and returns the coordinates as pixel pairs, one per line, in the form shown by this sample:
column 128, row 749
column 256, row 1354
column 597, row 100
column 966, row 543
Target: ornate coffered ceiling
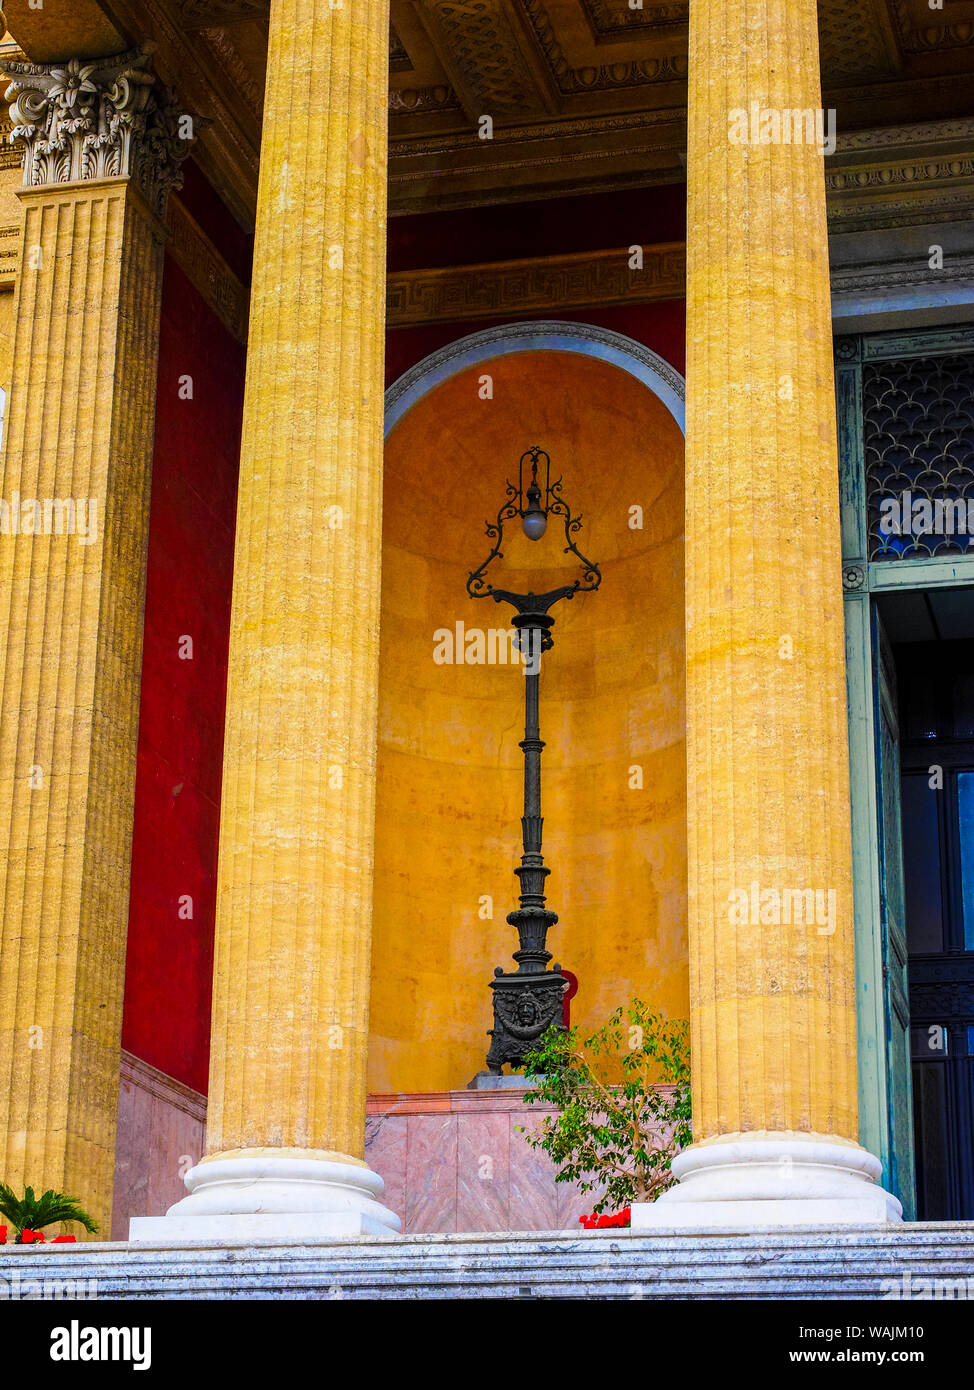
column 588, row 94
column 518, row 59
column 581, row 94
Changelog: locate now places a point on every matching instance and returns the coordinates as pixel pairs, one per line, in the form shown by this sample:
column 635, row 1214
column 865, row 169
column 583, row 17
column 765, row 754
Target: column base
column 268, row 1194
column 745, row 1182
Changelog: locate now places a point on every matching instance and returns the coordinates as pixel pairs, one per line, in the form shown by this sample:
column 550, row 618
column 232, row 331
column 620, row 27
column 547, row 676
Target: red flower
column 602, row 1223
column 64, row 1240
column 619, row 1218
column 3, row 1235
column 31, row 1237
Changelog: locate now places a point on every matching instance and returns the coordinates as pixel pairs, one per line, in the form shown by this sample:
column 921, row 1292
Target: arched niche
column 449, row 783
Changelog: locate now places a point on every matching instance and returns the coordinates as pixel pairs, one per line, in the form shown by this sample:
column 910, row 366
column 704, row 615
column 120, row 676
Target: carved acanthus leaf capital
column 79, row 121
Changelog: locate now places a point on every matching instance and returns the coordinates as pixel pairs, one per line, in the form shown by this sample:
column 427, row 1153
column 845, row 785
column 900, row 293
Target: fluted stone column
column 291, row 979
column 772, row 980
column 102, row 149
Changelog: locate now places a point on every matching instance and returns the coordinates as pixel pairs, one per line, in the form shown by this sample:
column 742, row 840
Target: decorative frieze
column 577, row 281
column 910, row 172
column 10, row 157
column 414, row 99
column 616, row 19
column 200, row 14
column 631, row 72
column 220, row 43
column 957, row 272
column 9, row 254
column 924, row 28
column 78, row 122
column 902, row 175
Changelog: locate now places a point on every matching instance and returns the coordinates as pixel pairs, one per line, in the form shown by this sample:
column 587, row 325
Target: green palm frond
column 35, row 1213
column 11, row 1206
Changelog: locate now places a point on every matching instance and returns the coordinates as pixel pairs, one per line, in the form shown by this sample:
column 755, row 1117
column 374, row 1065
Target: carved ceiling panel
column 614, row 20
column 486, row 50
column 596, row 94
column 856, row 41
column 204, row 14
column 582, row 58
column 922, row 29
column 584, row 94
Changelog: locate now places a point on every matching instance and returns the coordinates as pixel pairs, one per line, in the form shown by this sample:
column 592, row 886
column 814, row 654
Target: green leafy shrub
column 30, row 1213
column 622, row 1098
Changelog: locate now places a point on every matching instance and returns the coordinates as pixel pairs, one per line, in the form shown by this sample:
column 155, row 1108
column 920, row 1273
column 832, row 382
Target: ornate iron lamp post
column 527, row 1001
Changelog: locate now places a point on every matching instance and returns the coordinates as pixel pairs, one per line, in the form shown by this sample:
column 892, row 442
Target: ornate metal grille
column 918, row 435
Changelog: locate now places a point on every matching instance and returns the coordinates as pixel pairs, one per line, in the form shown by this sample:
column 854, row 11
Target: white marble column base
column 263, row 1196
column 748, row 1183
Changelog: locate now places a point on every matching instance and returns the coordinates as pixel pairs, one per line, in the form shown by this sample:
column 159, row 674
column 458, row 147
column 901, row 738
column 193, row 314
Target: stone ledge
column 800, row 1263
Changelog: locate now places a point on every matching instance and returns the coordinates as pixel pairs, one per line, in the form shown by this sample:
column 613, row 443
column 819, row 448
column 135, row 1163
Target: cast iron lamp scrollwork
column 529, row 1000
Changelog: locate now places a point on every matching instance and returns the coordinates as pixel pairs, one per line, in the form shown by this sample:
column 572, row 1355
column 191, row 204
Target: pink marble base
column 452, row 1161
column 455, row 1161
column 161, row 1125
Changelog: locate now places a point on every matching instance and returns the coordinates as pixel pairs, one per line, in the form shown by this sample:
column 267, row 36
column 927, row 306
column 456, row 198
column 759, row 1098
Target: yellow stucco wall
column 612, row 696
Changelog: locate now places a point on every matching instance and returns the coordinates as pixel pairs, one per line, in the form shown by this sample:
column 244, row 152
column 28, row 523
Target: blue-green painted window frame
column 861, row 579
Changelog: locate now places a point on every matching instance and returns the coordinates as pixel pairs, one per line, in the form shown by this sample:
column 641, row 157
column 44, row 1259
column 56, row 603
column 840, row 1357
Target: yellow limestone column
column 291, row 977
column 102, row 147
column 772, row 984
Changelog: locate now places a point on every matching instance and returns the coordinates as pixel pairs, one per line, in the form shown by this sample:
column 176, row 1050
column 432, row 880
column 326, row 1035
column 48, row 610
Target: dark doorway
column 935, row 684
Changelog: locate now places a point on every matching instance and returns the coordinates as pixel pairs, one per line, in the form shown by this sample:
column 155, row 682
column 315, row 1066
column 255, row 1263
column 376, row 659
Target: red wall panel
column 551, row 227
column 177, row 798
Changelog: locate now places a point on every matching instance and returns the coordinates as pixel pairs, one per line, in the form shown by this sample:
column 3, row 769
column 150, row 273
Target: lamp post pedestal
column 524, row 1007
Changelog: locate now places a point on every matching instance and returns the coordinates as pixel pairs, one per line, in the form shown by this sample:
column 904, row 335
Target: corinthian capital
column 79, row 121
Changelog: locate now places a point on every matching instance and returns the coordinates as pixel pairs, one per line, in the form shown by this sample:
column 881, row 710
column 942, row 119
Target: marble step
column 854, row 1263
